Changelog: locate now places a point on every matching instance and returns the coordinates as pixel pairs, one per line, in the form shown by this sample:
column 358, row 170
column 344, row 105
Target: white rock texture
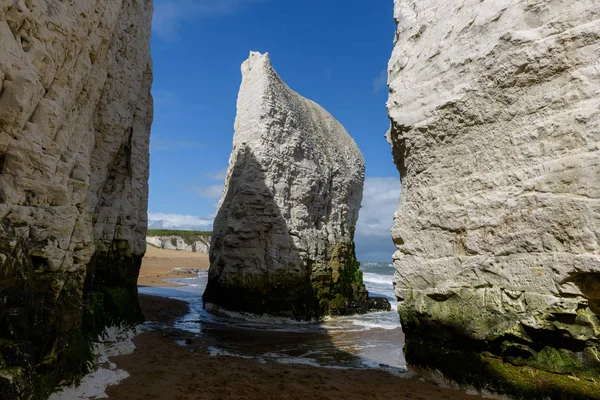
column 199, row 244
column 75, row 115
column 495, row 110
column 283, row 234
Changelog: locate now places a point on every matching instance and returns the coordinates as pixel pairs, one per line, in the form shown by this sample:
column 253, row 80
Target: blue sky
column 332, row 52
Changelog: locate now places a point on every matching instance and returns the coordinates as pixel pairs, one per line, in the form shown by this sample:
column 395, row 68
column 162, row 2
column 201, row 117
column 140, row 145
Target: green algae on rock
column 511, row 362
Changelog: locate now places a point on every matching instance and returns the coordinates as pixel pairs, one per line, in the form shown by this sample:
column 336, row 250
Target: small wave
column 364, row 364
column 372, row 277
column 292, row 360
column 375, row 264
column 284, row 359
column 369, row 264
column 400, row 371
column 215, row 352
column 376, row 324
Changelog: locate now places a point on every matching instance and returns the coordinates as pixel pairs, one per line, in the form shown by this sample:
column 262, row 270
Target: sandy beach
column 160, row 264
column 174, row 364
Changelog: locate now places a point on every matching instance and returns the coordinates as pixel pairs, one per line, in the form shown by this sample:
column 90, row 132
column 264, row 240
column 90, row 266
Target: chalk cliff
column 283, row 236
column 495, row 111
column 195, row 243
column 75, row 115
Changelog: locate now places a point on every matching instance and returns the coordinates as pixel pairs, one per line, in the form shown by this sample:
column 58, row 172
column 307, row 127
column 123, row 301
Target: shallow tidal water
column 370, row 341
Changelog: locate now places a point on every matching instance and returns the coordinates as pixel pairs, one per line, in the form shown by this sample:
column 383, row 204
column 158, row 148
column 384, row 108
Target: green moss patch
column 338, row 284
column 274, row 295
column 480, row 364
column 49, row 318
column 334, row 287
column 14, row 383
column 73, row 358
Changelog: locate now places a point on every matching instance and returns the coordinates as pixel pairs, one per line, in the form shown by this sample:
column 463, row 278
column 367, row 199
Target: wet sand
column 171, row 364
column 162, row 369
column 160, row 264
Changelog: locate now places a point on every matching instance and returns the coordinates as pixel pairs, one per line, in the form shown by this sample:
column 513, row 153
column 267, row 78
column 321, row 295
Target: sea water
column 372, row 340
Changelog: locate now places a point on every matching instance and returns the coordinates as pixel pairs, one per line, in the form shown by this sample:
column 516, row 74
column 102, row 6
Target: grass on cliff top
column 169, row 232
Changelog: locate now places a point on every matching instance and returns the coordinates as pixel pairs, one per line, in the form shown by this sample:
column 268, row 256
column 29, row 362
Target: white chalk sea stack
column 75, row 116
column 282, row 241
column 495, row 110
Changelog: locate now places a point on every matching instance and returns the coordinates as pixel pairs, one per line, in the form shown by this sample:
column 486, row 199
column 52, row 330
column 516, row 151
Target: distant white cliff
column 199, row 243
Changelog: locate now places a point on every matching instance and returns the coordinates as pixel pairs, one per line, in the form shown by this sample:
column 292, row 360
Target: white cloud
column 209, row 192
column 373, row 236
column 380, row 201
column 380, row 82
column 165, row 99
column 176, row 221
column 169, row 14
column 217, row 175
column 372, row 248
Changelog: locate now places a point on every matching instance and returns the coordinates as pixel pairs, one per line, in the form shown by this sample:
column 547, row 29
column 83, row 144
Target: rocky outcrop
column 75, row 115
column 496, row 134
column 195, row 243
column 283, row 236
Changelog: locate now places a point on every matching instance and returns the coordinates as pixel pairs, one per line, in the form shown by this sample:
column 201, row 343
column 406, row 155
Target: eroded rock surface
column 496, row 133
column 75, row 115
column 283, row 236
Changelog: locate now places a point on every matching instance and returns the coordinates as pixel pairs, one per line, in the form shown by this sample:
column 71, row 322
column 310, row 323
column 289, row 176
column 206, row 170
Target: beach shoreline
column 161, row 264
column 170, row 363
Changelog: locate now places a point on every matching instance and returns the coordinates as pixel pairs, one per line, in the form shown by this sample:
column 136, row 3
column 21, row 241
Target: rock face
column 283, row 236
column 199, row 244
column 75, row 115
column 496, row 133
